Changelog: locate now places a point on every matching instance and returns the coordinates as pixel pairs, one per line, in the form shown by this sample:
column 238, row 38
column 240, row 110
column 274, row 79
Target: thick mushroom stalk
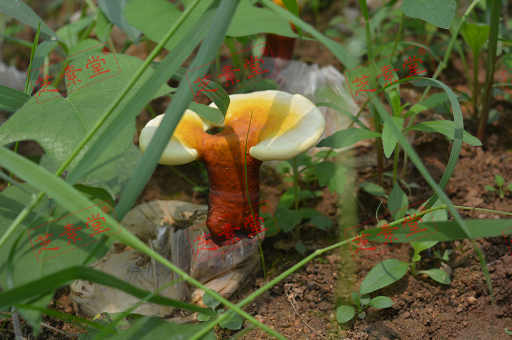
column 282, row 127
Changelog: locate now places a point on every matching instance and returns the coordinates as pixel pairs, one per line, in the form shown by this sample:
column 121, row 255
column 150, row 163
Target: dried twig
column 300, row 317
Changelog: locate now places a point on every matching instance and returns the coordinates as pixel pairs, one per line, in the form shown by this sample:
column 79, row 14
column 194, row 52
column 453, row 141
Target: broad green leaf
column 83, row 46
column 509, row 187
column 397, row 202
column 300, row 247
column 436, row 216
column 420, row 246
column 373, row 189
column 382, row 275
column 207, row 112
column 203, row 317
column 26, row 267
column 365, row 299
column 210, row 301
column 447, row 128
column 356, row 298
column 286, row 219
column 475, row 35
column 431, row 102
column 438, row 275
column 234, row 322
column 388, row 139
column 381, row 302
column 509, row 332
column 103, row 26
column 152, row 17
column 57, row 124
column 42, row 50
column 293, row 7
column 331, row 174
column 287, row 199
column 437, row 12
column 347, row 137
column 344, row 314
column 19, row 10
column 12, row 98
column 307, row 213
column 499, row 180
column 321, row 222
column 113, row 10
column 151, row 328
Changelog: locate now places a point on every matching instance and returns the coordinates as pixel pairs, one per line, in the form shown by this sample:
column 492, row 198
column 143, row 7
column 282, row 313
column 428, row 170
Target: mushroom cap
column 288, row 124
column 183, row 145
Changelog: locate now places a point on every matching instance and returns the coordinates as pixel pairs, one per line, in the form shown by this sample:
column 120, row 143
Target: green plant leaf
column 234, row 322
column 307, row 213
column 365, row 299
column 397, row 202
column 207, row 112
column 113, row 10
column 489, row 188
column 203, row 317
column 438, row 275
column 447, row 128
column 382, row 275
column 381, row 302
column 436, row 12
column 220, row 98
column 509, row 332
column 373, row 189
column 300, row 247
column 331, row 174
column 150, row 328
column 420, row 246
column 344, row 314
column 499, row 180
column 429, row 103
column 57, row 123
column 388, row 139
column 286, row 219
column 356, row 298
column 436, row 216
column 19, row 10
column 150, row 17
column 475, row 35
column 103, row 26
column 210, row 301
column 68, row 33
column 12, row 98
column 347, row 137
column 321, row 222
column 509, row 187
column 42, row 50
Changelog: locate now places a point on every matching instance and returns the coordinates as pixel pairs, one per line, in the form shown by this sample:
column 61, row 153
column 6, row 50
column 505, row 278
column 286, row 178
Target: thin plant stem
column 35, row 201
column 296, row 187
column 395, row 163
column 151, row 111
column 359, row 113
column 485, row 210
column 398, row 35
column 475, row 83
column 249, row 202
column 183, row 176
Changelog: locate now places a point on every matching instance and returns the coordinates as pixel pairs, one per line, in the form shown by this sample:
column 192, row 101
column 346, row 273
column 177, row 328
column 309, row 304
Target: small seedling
column 446, row 255
column 435, row 274
column 232, row 323
column 346, row 313
column 499, row 183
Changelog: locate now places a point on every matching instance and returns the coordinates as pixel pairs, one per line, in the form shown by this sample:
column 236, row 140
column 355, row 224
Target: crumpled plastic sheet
column 150, row 222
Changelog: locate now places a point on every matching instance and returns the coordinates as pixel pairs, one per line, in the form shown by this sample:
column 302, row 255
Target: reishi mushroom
column 282, row 126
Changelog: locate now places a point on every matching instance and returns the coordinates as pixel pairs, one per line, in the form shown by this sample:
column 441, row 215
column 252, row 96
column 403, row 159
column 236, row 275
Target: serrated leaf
column 113, row 10
column 431, row 102
column 58, row 123
column 438, row 275
column 210, row 301
column 382, row 275
column 344, row 314
column 300, row 247
column 447, row 128
column 331, row 174
column 436, row 12
column 346, row 138
column 381, row 302
column 286, row 219
column 397, row 202
column 388, row 139
column 373, row 189
column 321, row 222
column 499, row 180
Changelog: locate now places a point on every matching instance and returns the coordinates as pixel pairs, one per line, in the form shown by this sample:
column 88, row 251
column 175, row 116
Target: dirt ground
column 303, row 306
